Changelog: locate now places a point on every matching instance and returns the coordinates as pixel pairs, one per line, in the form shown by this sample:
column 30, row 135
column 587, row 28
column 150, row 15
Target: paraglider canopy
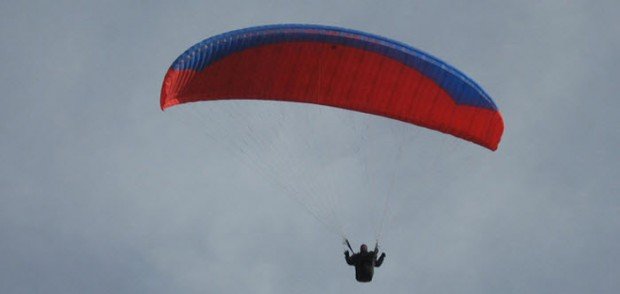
column 335, row 67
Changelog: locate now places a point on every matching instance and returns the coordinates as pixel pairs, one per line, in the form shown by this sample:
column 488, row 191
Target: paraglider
column 334, row 67
column 341, row 68
column 364, row 262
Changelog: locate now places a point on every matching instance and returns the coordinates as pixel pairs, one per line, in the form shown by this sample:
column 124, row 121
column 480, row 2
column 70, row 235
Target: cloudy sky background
column 101, row 192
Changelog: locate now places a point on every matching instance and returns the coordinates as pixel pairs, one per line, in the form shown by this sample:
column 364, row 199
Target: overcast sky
column 102, row 192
